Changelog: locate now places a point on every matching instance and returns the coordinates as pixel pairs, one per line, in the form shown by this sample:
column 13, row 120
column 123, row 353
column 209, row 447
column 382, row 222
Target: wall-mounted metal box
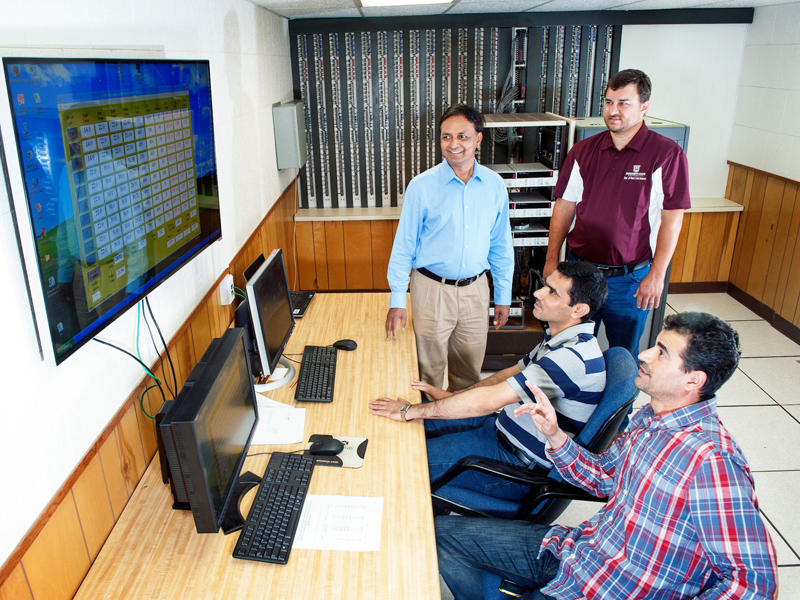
column 288, row 121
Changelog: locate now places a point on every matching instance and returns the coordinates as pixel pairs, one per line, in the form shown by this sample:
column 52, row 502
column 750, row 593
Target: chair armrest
column 506, row 472
column 542, row 487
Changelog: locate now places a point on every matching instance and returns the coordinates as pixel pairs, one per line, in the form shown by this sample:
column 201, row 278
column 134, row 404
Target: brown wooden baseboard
column 787, row 328
column 762, row 310
column 698, row 287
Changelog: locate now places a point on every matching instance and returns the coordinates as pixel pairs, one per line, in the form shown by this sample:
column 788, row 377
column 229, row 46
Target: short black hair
column 588, row 286
column 464, row 110
column 629, row 76
column 712, row 347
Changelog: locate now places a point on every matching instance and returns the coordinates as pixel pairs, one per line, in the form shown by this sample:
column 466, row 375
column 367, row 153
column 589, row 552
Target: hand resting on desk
column 386, row 407
column 427, row 388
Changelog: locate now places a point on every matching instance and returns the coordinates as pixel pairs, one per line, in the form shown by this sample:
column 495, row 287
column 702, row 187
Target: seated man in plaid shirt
column 681, row 520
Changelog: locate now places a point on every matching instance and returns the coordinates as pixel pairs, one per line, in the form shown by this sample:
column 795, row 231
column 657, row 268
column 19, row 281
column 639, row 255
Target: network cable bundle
column 373, row 98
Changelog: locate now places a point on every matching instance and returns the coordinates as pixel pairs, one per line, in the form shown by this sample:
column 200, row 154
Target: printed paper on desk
column 265, row 402
column 340, row 523
column 279, row 426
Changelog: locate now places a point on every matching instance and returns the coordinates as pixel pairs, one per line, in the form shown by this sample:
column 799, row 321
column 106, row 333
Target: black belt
column 609, row 271
column 507, row 445
column 455, row 282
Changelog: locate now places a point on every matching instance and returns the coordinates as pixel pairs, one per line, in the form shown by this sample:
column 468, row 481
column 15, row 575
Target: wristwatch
column 403, row 412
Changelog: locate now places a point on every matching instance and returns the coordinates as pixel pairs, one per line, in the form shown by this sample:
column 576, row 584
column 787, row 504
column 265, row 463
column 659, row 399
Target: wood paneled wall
column 344, row 255
column 56, row 553
column 705, row 248
column 354, row 255
column 766, row 260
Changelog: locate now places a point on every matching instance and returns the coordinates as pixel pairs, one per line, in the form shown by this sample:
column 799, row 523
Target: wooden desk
column 154, row 552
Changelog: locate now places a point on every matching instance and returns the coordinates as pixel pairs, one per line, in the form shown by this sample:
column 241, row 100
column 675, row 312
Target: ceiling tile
column 405, row 11
column 575, row 5
column 317, row 14
column 308, row 5
column 492, row 6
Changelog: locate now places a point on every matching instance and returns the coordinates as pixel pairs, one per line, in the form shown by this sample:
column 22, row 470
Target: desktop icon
column 20, row 99
column 15, row 70
column 37, row 98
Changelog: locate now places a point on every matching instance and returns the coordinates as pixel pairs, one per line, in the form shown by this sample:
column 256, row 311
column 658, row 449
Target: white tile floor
column 760, row 406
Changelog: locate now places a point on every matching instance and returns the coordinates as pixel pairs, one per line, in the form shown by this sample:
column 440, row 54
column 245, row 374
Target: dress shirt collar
column 636, row 143
column 682, row 417
column 446, row 173
column 567, row 334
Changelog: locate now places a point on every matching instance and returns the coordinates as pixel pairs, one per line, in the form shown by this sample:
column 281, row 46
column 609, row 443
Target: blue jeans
column 475, row 554
column 451, row 440
column 624, row 321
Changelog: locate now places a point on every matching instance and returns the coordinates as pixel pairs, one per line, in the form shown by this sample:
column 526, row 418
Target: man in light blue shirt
column 453, row 228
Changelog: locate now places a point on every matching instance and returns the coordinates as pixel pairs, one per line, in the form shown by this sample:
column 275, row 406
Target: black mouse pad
column 352, row 456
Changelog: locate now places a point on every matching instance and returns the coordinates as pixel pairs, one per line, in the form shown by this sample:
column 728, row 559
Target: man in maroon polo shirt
column 626, row 189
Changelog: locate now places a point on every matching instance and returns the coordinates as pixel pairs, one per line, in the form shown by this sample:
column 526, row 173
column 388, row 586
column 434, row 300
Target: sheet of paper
column 279, row 426
column 264, row 403
column 340, row 523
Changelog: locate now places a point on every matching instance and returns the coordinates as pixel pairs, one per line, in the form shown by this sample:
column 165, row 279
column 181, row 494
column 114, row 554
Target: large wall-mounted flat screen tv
column 118, row 184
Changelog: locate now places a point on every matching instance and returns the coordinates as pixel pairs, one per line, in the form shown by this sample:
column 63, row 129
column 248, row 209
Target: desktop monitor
column 205, row 432
column 270, row 307
column 114, row 183
column 253, row 267
column 241, row 318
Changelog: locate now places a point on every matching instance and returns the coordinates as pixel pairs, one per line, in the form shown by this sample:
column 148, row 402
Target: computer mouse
column 345, row 345
column 326, row 447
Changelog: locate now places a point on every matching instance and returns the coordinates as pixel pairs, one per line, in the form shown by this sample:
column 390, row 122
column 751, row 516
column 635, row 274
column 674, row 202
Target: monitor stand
column 274, row 384
column 232, row 520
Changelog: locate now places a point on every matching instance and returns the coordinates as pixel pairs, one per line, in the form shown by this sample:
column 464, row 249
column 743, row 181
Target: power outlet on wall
column 226, row 290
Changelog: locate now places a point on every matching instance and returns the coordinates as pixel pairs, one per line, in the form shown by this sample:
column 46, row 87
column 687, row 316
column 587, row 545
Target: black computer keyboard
column 269, row 531
column 317, row 374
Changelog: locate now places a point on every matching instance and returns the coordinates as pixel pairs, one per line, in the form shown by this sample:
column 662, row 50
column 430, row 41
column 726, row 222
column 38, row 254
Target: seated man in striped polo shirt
column 568, row 366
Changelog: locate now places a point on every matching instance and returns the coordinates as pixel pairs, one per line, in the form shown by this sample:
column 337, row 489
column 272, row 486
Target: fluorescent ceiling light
column 372, row 3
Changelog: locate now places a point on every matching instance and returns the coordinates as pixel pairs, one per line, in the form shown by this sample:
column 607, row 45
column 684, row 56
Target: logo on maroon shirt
column 636, row 174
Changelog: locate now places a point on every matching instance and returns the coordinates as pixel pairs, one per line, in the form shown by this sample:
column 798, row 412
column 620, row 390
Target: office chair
column 549, row 495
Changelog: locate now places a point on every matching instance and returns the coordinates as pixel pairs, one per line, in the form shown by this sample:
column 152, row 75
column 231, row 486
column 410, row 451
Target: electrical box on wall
column 290, row 136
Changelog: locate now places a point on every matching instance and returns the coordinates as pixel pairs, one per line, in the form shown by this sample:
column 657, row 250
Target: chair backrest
column 599, row 431
column 619, row 395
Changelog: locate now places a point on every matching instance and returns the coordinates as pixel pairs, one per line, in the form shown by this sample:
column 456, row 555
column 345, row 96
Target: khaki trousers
column 450, row 325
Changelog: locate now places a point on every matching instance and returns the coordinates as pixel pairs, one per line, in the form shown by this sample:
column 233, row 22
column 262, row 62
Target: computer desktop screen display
column 271, row 310
column 120, row 177
column 211, row 425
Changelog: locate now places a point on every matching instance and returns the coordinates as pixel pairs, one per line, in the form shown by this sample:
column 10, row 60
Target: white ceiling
column 316, row 9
